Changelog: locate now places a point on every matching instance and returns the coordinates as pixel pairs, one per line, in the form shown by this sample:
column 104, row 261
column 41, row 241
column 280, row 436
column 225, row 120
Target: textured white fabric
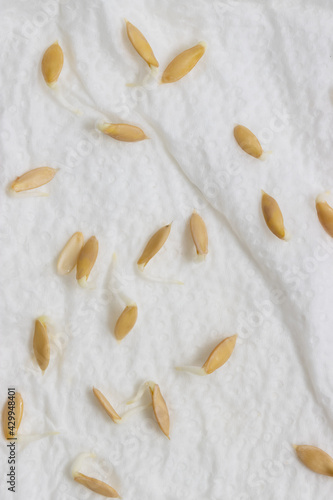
column 268, row 66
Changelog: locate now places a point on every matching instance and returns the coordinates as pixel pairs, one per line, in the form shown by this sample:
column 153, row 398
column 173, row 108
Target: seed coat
column 248, row 141
column 33, row 179
column 141, row 45
column 41, row 344
column 325, row 214
column 182, row 64
column 107, row 406
column 220, row 355
column 52, row 63
column 155, row 244
column 199, row 234
column 86, row 260
column 160, row 410
column 273, row 216
column 315, row 459
column 123, row 132
column 69, row 254
column 18, row 413
column 96, row 485
column 126, row 321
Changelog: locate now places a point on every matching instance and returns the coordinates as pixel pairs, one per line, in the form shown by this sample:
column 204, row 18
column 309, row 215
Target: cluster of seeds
column 82, row 255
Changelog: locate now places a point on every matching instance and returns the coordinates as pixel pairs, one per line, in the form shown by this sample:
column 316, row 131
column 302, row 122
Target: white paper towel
column 269, row 67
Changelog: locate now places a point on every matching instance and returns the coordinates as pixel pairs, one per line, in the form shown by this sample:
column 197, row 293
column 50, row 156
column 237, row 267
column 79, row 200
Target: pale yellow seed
column 123, row 132
column 220, row 354
column 160, row 410
column 69, row 254
column 52, row 64
column 273, row 216
column 154, row 245
column 183, row 63
column 199, row 234
column 41, row 344
column 96, row 485
column 11, row 432
column 86, row 260
column 107, row 406
column 315, row 459
column 33, row 179
column 248, row 141
column 126, row 321
column 325, row 215
column 141, row 45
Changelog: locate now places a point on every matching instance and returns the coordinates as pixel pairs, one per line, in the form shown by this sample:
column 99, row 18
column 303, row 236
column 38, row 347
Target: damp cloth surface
column 268, row 66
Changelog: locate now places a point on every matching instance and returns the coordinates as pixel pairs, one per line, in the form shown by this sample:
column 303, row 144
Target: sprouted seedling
column 91, row 483
column 218, row 357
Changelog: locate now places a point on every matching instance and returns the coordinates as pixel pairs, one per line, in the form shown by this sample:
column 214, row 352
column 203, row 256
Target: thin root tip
column 287, row 236
column 101, row 126
column 82, row 282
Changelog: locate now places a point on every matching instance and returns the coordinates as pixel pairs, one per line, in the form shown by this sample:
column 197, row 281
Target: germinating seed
column 199, row 234
column 315, row 459
column 218, row 357
column 220, row 354
column 183, row 63
column 52, row 64
column 248, row 141
column 126, row 321
column 141, row 45
column 69, row 254
column 154, row 245
column 33, row 179
column 273, row 216
column 123, row 132
column 41, row 344
column 7, row 416
column 107, row 406
column 86, row 260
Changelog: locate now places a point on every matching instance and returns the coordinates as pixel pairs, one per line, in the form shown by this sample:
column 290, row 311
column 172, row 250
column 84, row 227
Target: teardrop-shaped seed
column 325, row 214
column 199, row 234
column 9, row 431
column 33, row 179
column 273, row 216
column 69, row 254
column 183, row 63
column 220, row 354
column 41, row 345
column 141, row 45
column 126, row 321
column 107, row 406
column 86, row 260
column 248, row 141
column 52, row 62
column 154, row 245
column 123, row 132
column 160, row 410
column 96, row 485
column 315, row 459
